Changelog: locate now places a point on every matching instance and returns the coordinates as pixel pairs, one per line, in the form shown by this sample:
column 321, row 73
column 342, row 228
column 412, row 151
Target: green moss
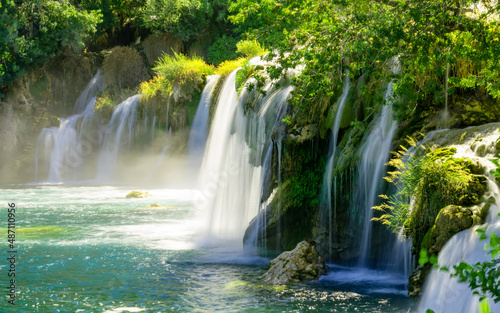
column 433, row 179
column 138, row 194
column 296, row 203
column 107, row 101
column 192, row 106
column 39, row 88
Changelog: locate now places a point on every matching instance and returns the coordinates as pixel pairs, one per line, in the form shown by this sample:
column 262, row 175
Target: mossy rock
column 451, row 220
column 299, row 135
column 138, row 194
column 124, row 67
column 303, row 263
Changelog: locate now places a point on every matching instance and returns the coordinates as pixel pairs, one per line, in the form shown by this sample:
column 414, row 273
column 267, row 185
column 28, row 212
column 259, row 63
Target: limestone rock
column 299, row 135
column 453, row 219
column 138, row 194
column 301, row 264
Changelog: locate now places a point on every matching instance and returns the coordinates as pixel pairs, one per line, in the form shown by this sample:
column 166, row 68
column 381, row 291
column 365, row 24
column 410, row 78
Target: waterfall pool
column 88, row 249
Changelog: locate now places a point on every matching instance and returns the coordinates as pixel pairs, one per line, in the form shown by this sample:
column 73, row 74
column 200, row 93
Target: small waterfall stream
column 375, row 153
column 121, row 123
column 199, row 128
column 326, row 189
column 95, row 86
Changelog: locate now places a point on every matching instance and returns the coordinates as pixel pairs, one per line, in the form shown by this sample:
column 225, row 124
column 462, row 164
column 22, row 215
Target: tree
column 34, row 31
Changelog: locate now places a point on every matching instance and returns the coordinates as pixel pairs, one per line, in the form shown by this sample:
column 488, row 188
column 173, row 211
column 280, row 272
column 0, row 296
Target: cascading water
column 442, row 293
column 237, row 150
column 199, row 128
column 326, row 189
column 65, row 143
column 371, row 169
column 121, row 123
column 66, row 146
column 95, row 86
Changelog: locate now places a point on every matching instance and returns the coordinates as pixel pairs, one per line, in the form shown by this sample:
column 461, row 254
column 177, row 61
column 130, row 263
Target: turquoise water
column 88, row 249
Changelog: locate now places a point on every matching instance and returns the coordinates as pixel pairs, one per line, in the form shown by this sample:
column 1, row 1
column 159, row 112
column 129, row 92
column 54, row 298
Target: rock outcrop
column 303, row 263
column 138, row 194
column 453, row 219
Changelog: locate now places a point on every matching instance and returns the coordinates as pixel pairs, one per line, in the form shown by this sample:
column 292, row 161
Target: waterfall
column 121, row 123
column 238, row 150
column 371, row 169
column 442, row 293
column 326, row 189
column 199, row 132
column 445, row 114
column 66, row 145
column 95, row 86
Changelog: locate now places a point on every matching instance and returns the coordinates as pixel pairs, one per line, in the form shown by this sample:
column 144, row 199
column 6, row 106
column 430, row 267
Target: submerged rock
column 301, row 264
column 138, row 194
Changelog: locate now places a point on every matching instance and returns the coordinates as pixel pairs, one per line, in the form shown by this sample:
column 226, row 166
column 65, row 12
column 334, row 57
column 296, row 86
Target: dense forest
column 440, row 60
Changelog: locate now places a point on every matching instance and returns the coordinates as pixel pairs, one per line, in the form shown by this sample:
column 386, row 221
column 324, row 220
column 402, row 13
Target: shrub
column 180, row 69
column 433, row 179
column 154, row 87
column 186, row 19
column 124, row 67
column 222, row 49
column 181, row 74
column 226, row 67
column 250, row 48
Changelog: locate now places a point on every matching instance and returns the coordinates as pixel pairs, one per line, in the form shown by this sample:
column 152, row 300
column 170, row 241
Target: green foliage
column 267, row 21
column 107, row 101
column 104, row 107
column 182, row 70
column 250, row 48
column 483, row 277
column 433, row 178
column 329, row 36
column 34, row 31
column 226, row 67
column 223, row 49
column 186, row 19
column 157, row 86
column 243, row 74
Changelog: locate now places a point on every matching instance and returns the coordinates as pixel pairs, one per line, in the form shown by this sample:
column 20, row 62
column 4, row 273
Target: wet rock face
column 417, row 280
column 303, row 263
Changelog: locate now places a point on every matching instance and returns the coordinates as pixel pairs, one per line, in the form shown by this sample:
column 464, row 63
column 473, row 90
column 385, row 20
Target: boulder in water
column 138, row 194
column 301, row 264
column 155, row 205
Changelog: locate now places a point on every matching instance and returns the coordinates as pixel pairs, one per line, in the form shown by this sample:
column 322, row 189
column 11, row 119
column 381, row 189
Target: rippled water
column 88, row 249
